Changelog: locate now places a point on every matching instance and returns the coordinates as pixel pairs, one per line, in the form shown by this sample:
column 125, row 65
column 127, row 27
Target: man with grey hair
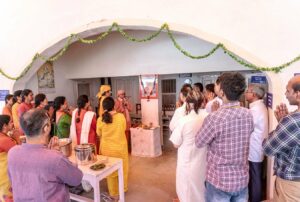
column 254, row 95
column 37, row 170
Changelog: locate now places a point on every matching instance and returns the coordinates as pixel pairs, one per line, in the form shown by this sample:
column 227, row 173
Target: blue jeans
column 212, row 194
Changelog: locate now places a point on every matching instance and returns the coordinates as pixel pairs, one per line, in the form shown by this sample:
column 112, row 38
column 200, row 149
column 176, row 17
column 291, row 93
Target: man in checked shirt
column 284, row 144
column 226, row 132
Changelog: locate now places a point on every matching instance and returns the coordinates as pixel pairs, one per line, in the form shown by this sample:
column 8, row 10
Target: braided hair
column 108, row 106
column 81, row 102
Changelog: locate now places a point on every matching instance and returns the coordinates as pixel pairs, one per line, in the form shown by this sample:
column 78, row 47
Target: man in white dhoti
column 191, row 161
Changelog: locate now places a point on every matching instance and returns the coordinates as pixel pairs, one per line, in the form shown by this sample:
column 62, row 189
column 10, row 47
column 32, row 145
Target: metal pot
column 85, row 153
column 65, row 146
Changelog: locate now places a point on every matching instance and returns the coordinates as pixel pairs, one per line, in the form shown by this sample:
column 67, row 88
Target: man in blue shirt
column 284, row 144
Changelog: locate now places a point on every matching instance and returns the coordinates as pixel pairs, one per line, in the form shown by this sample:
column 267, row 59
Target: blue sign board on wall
column 269, row 100
column 258, row 79
column 3, row 93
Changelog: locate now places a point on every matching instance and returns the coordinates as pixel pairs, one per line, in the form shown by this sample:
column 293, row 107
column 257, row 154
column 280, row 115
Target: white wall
column 264, row 32
column 269, row 37
column 63, row 87
column 5, row 84
column 117, row 57
column 267, row 29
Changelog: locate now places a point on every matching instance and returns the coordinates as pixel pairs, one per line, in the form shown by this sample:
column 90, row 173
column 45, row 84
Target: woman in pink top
column 40, row 101
column 27, row 98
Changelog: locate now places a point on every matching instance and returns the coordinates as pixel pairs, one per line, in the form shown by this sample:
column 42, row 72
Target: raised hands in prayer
column 15, row 134
column 53, row 144
column 215, row 106
column 281, row 111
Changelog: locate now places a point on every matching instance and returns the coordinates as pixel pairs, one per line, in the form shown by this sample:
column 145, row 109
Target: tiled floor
column 150, row 179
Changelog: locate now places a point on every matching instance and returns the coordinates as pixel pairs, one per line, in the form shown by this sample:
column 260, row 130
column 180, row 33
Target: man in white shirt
column 254, row 95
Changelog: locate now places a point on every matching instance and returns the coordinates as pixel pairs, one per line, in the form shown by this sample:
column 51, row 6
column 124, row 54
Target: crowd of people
column 222, row 145
column 38, row 164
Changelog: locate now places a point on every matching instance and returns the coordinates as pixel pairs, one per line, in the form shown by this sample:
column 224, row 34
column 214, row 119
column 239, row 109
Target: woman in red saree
column 83, row 124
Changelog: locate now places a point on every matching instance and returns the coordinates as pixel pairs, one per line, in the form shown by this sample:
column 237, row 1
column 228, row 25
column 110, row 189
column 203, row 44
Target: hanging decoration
column 75, row 37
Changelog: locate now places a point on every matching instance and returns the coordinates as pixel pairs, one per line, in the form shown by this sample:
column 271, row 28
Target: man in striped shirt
column 226, row 132
column 284, row 144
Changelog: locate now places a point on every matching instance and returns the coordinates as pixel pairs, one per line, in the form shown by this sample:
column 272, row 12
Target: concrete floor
column 150, row 179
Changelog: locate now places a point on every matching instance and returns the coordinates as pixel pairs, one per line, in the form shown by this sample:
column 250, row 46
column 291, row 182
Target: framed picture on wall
column 45, row 76
column 149, row 86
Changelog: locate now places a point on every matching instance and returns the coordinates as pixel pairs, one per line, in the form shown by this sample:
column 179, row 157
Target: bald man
column 284, row 144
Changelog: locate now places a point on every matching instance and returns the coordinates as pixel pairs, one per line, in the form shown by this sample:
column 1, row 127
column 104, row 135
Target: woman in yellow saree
column 6, row 143
column 111, row 129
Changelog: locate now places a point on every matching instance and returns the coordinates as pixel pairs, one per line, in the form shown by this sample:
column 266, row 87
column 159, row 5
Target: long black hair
column 24, row 93
column 38, row 99
column 57, row 103
column 194, row 101
column 81, row 102
column 108, row 106
column 4, row 119
column 8, row 97
column 17, row 94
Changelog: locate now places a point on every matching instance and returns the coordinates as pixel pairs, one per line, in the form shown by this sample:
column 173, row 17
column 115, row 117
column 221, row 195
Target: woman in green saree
column 62, row 117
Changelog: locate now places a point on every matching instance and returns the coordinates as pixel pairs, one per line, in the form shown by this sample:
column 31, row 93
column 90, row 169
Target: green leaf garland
column 165, row 26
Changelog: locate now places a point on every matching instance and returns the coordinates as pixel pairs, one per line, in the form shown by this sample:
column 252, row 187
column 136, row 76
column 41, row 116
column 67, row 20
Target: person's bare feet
column 115, row 198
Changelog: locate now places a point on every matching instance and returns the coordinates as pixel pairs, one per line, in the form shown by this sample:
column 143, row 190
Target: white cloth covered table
column 94, row 177
column 145, row 142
